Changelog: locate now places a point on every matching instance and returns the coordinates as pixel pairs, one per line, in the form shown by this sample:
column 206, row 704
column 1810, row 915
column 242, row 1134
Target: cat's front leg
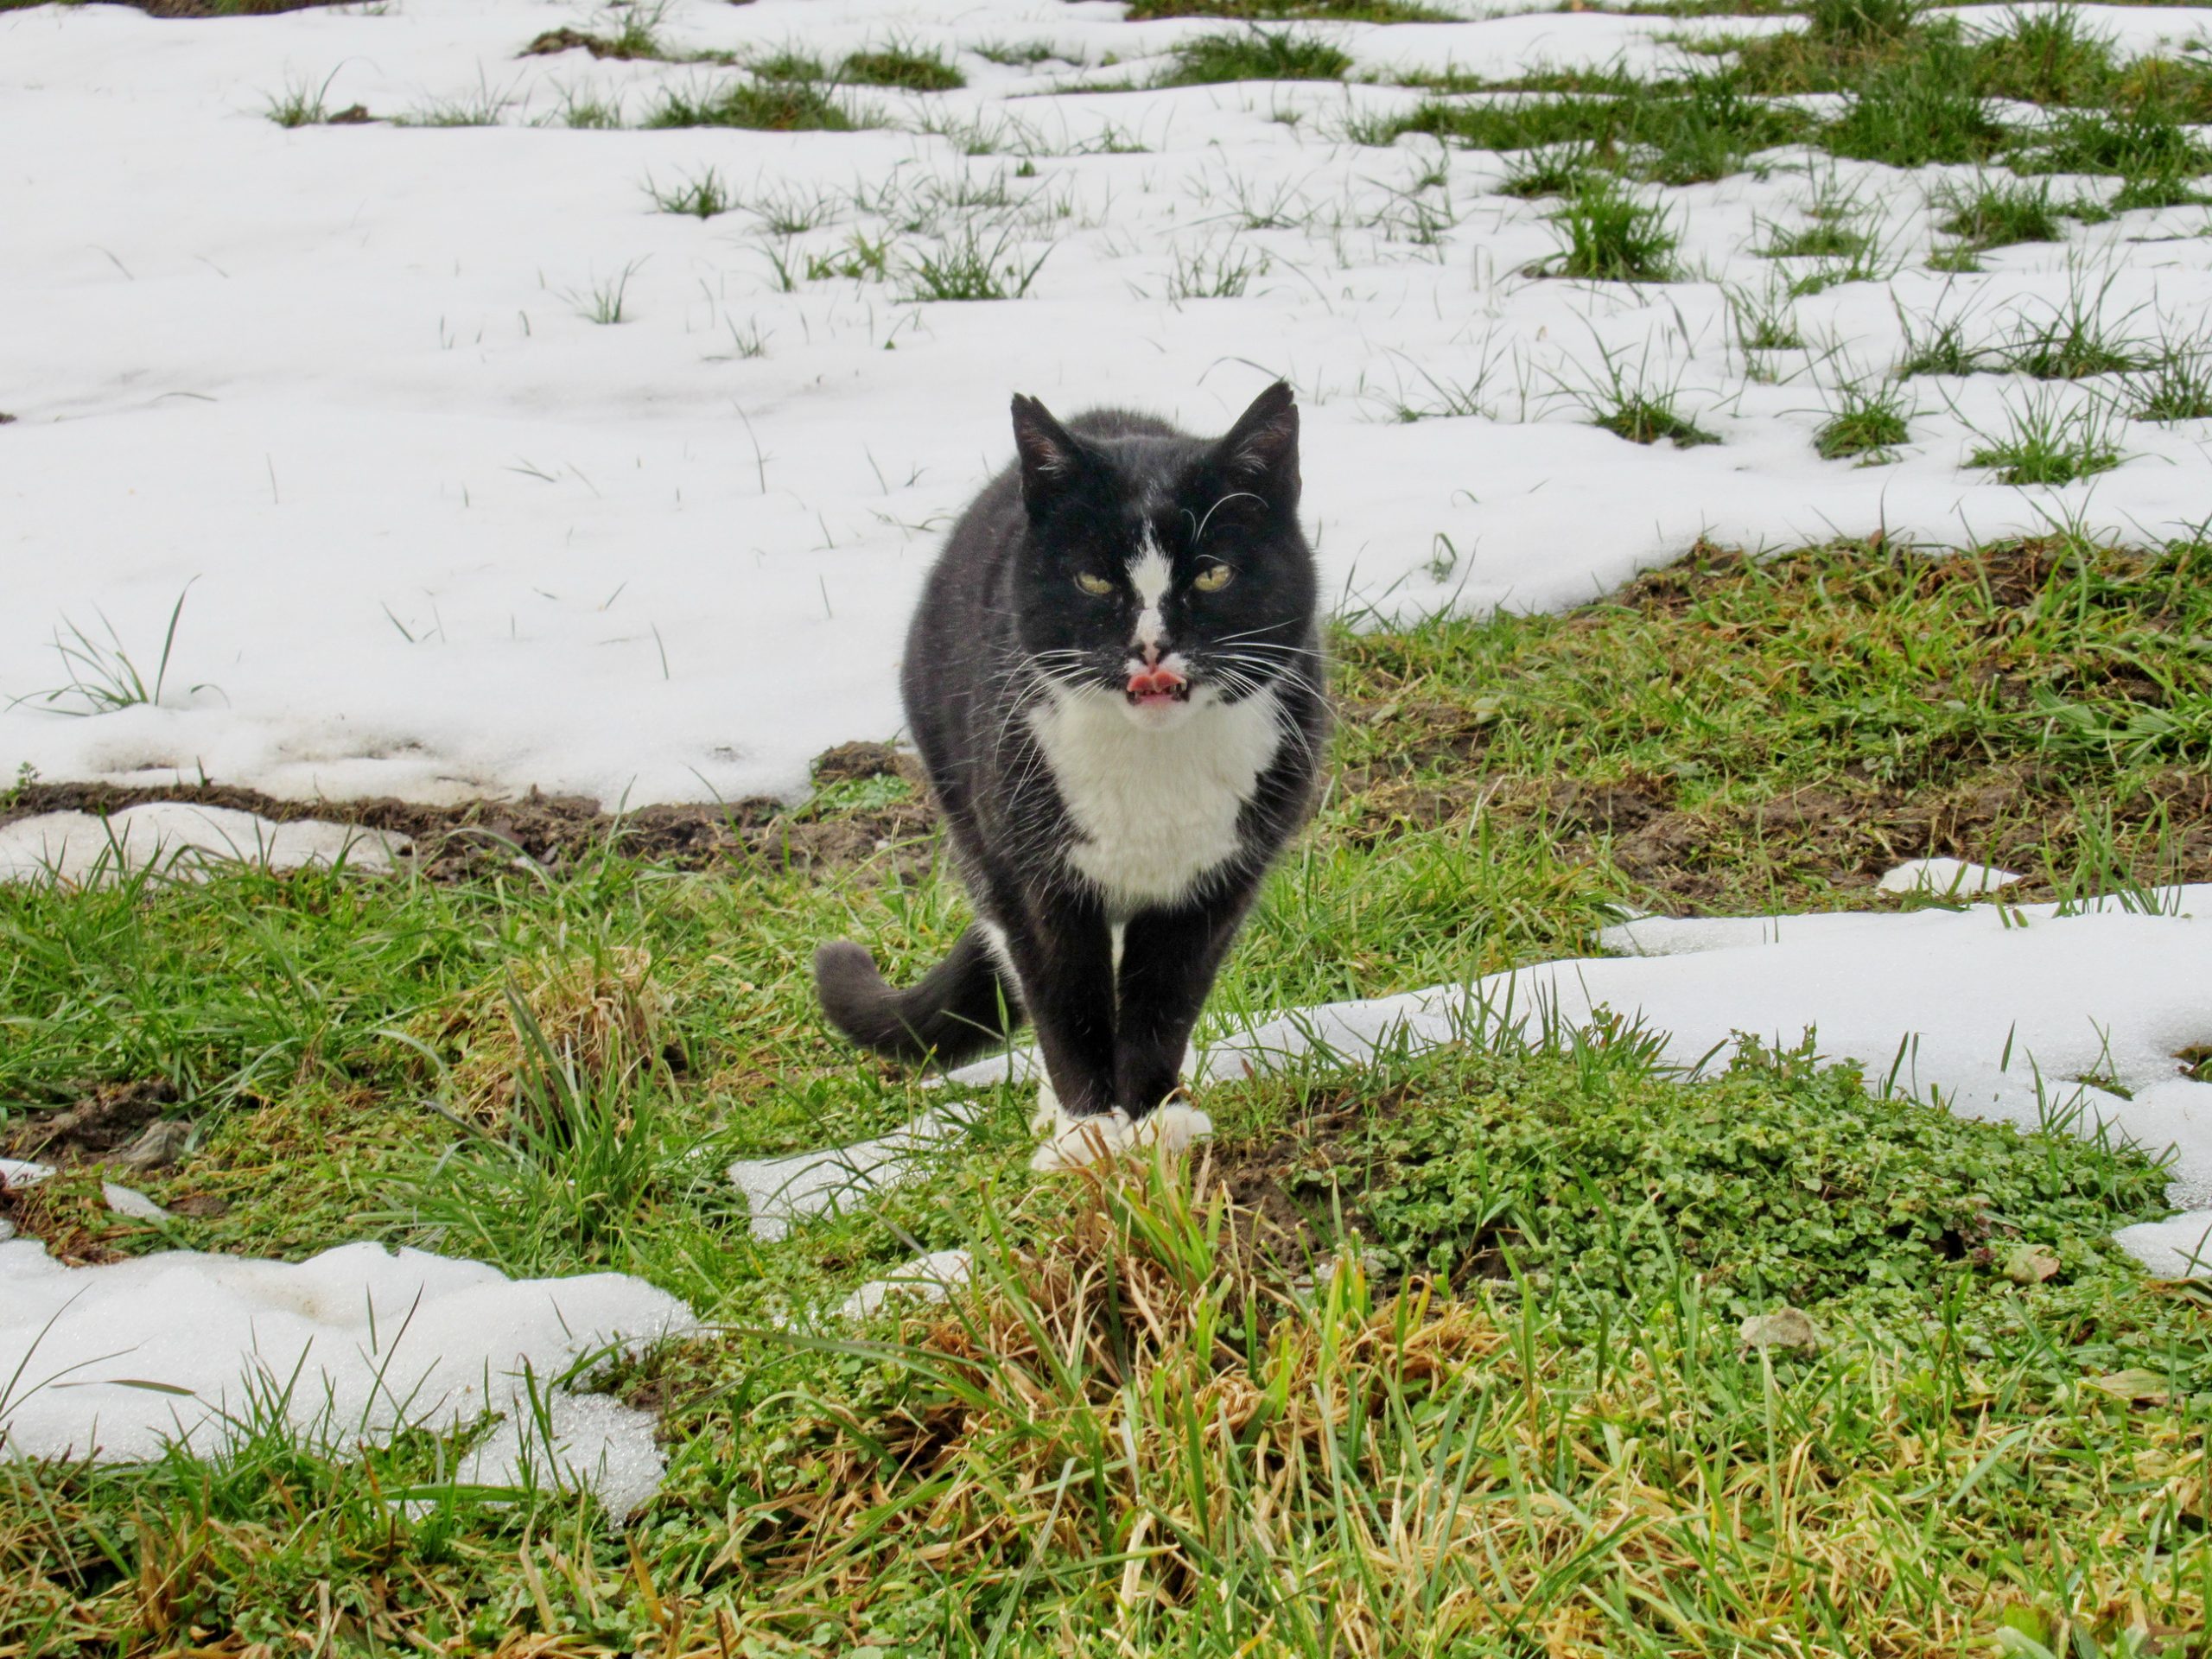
column 1063, row 952
column 1169, row 958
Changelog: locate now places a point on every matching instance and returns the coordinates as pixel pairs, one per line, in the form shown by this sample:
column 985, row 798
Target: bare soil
column 454, row 843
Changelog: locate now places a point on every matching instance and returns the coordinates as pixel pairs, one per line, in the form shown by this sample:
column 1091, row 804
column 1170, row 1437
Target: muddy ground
column 454, row 843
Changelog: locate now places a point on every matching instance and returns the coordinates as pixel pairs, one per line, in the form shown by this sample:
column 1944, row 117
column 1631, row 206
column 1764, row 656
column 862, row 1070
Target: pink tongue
column 1155, row 685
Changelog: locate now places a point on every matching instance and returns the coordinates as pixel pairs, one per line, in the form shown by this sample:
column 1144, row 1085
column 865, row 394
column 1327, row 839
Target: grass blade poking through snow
column 1613, row 236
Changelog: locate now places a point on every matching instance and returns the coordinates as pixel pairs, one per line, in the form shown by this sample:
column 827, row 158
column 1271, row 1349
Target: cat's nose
column 1151, row 653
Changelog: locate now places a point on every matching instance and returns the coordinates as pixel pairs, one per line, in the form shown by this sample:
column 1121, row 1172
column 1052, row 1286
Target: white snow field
column 437, row 533
column 1998, row 1012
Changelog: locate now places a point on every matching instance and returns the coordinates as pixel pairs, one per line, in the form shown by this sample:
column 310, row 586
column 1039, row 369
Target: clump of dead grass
column 598, row 1013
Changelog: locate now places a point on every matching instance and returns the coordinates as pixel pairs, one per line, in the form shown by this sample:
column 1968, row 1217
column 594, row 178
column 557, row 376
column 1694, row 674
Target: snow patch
column 1946, row 877
column 929, row 1277
column 179, row 839
column 117, row 1360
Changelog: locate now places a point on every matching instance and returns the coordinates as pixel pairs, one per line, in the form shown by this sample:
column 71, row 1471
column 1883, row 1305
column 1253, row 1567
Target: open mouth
column 1156, row 687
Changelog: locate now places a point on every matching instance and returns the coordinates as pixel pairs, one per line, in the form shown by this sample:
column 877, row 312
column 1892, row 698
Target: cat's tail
column 960, row 1008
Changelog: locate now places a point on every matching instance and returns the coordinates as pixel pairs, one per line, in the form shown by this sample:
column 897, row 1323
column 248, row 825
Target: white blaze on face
column 1149, row 573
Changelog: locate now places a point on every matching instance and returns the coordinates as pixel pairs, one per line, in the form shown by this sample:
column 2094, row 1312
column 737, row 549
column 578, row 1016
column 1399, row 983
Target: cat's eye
column 1096, row 586
column 1213, row 578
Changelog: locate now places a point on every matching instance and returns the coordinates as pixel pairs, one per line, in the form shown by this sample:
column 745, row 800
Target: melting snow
column 178, row 839
column 351, row 1345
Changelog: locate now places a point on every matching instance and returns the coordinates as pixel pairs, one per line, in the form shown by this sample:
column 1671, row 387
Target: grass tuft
column 2050, row 441
column 1917, row 109
column 1256, row 54
column 700, row 197
column 767, row 104
column 2175, row 383
column 301, row 103
column 2048, row 55
column 1341, row 11
column 1613, row 236
column 966, row 267
column 1996, row 213
column 2075, row 340
column 903, row 67
column 1867, row 423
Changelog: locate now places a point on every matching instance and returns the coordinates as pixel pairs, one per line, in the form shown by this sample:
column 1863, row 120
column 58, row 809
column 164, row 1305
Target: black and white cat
column 1115, row 679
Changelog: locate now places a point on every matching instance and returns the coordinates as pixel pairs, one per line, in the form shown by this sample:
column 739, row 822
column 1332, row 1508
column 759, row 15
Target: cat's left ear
column 1261, row 451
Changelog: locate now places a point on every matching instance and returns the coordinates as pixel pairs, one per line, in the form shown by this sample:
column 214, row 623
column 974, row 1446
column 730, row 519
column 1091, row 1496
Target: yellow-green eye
column 1096, row 586
column 1213, row 578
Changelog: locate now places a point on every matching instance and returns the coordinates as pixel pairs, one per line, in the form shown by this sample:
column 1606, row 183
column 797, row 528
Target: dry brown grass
column 598, row 1013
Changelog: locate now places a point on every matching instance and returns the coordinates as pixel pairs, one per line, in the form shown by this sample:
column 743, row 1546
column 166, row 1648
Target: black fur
column 1005, row 629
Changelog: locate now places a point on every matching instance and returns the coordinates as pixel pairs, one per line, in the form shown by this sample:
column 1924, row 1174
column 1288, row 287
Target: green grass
column 1866, row 424
column 301, row 103
column 703, row 196
column 1343, row 11
column 2050, row 441
column 902, row 67
column 1565, row 1427
column 967, row 265
column 2048, row 55
column 1610, row 236
column 2176, row 384
column 1919, row 109
column 1669, row 136
column 1821, row 239
column 768, row 103
column 1255, row 55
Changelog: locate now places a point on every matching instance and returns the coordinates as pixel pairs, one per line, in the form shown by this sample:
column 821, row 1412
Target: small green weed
column 965, row 267
column 1556, row 172
column 701, row 197
column 100, row 674
column 1819, row 240
column 1019, row 54
column 606, row 300
column 2155, row 156
column 1764, row 322
column 485, row 107
column 1860, row 22
column 301, row 103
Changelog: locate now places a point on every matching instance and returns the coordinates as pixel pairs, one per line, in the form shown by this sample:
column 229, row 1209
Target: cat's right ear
column 1050, row 459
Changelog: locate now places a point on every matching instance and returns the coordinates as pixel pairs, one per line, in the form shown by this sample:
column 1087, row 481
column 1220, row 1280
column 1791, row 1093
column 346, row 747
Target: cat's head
column 1164, row 571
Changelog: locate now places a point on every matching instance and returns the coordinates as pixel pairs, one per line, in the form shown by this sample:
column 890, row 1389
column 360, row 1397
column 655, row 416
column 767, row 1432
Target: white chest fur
column 1155, row 809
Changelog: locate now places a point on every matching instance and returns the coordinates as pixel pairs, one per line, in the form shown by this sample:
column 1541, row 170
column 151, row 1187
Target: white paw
column 1076, row 1141
column 1046, row 1118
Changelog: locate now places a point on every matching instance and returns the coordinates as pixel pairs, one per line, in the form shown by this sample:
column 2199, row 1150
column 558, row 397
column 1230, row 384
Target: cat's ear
column 1052, row 461
column 1261, row 451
